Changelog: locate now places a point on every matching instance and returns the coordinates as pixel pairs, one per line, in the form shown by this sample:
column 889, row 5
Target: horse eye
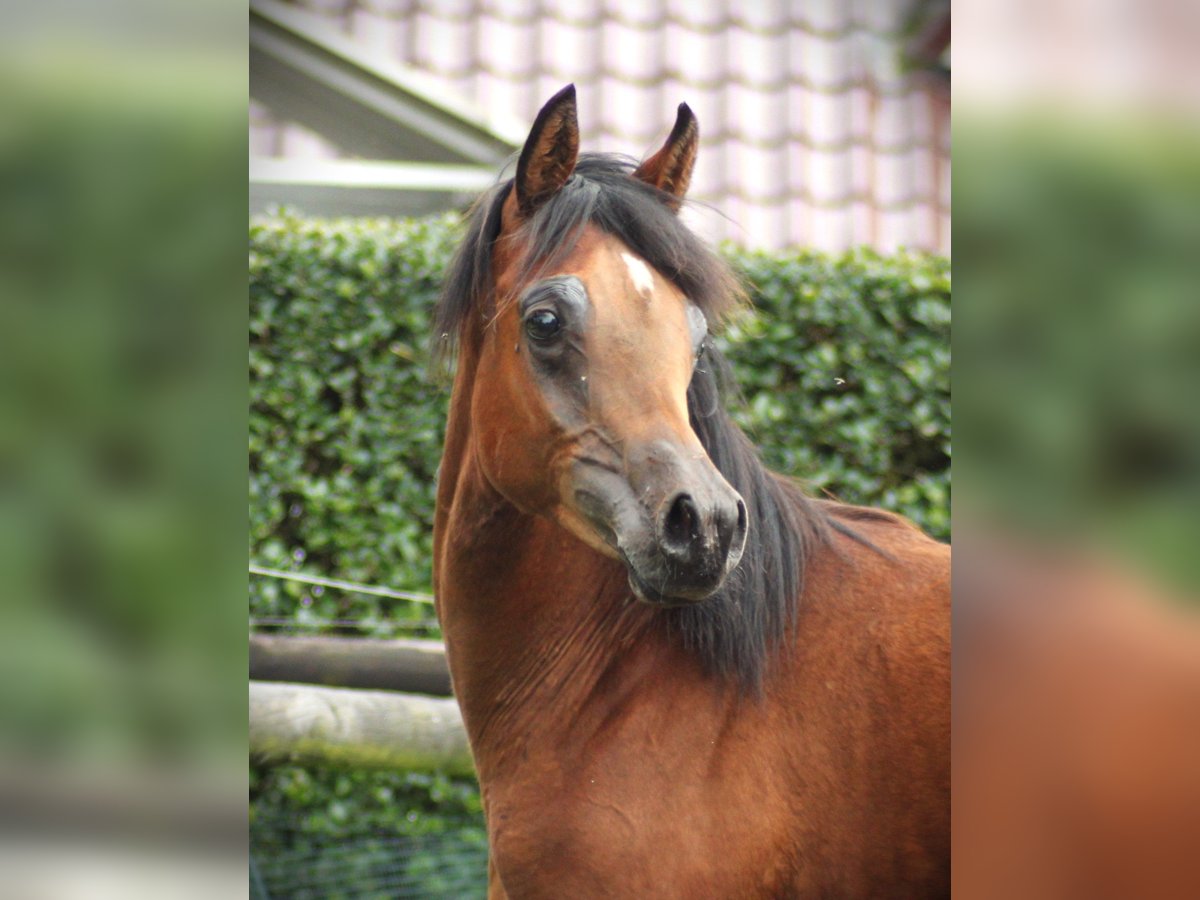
column 542, row 325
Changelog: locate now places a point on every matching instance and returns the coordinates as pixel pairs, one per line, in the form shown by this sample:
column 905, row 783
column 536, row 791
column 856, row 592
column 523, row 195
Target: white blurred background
column 824, row 123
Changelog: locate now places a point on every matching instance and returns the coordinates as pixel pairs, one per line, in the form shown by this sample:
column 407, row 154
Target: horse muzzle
column 676, row 523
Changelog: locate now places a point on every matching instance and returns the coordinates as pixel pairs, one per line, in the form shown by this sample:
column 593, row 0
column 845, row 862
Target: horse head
column 580, row 397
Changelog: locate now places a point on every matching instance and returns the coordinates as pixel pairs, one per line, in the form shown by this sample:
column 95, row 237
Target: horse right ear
column 670, row 169
column 549, row 155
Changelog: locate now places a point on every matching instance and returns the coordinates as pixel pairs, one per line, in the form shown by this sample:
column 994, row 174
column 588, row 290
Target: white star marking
column 639, row 272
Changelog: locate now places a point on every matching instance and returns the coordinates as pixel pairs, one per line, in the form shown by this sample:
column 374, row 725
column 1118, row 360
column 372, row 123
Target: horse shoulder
column 869, row 675
column 889, row 590
column 891, row 572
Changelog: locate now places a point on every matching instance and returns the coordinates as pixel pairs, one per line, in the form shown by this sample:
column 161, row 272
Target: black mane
column 734, row 630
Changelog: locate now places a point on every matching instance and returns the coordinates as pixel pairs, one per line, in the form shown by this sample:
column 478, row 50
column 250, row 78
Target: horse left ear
column 670, row 169
column 549, row 155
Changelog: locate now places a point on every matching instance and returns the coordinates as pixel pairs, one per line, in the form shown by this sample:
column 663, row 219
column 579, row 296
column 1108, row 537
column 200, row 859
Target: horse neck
column 533, row 618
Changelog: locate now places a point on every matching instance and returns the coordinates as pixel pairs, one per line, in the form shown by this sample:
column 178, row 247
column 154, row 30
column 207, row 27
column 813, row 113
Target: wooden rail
column 359, row 729
column 415, row 666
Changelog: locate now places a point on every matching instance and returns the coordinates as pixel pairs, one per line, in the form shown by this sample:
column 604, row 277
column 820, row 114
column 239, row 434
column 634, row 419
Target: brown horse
column 679, row 675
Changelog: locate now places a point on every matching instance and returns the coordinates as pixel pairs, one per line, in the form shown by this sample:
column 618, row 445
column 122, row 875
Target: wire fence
column 314, row 843
column 288, row 860
column 377, row 628
column 309, row 622
column 285, row 861
column 354, row 587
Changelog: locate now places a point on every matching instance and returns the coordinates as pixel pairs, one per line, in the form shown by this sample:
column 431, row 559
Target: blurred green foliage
column 1078, row 351
column 844, row 367
column 120, row 270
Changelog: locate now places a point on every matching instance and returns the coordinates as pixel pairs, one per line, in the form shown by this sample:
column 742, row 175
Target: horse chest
column 587, row 846
column 635, row 824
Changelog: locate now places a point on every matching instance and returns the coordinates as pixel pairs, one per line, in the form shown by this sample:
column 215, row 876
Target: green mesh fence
column 286, row 861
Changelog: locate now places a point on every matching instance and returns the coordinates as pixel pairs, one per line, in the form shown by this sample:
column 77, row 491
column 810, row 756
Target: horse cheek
column 515, row 441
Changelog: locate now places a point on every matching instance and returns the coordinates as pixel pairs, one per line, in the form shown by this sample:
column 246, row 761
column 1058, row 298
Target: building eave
column 372, row 108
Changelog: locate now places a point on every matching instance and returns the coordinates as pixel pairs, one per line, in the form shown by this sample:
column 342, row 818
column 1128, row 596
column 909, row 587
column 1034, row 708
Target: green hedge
column 844, row 369
column 320, row 833
column 845, row 373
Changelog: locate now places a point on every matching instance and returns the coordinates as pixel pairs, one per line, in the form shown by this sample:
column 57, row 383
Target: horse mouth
column 651, row 596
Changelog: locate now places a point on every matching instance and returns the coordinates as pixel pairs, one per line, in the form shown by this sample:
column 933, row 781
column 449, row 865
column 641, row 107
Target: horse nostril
column 681, row 527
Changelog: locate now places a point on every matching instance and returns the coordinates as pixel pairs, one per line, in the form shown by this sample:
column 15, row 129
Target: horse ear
column 548, row 157
column 670, row 169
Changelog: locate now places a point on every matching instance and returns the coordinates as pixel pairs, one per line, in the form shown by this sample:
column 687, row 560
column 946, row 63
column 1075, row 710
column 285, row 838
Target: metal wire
column 341, row 585
column 375, row 628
